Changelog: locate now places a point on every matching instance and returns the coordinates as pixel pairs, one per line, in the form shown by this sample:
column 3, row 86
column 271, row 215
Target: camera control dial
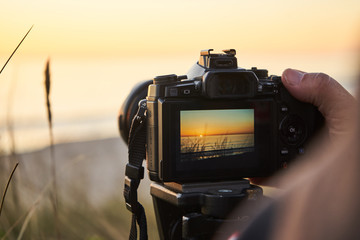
column 293, row 129
column 165, row 79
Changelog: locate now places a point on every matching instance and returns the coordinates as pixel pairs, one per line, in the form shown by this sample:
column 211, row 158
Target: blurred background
column 99, row 50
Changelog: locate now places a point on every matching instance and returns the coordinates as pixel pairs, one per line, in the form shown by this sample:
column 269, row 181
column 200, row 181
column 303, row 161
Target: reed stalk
column 54, row 198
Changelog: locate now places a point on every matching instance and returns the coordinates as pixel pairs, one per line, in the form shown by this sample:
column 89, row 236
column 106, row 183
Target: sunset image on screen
column 216, row 133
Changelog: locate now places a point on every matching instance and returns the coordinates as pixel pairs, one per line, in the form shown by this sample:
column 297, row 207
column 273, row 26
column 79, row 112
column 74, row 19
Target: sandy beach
column 95, row 167
column 89, row 178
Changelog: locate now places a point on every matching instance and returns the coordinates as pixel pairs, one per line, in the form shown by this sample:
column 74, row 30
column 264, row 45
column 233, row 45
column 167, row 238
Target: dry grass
column 90, row 184
column 7, row 187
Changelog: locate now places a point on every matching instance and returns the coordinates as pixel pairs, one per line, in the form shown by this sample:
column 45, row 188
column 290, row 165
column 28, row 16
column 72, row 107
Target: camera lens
column 130, row 107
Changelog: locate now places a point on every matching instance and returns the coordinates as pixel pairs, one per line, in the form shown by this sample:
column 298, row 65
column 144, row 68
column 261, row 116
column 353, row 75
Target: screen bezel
column 173, row 169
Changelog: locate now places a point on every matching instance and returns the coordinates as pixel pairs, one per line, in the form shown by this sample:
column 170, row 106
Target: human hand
column 336, row 104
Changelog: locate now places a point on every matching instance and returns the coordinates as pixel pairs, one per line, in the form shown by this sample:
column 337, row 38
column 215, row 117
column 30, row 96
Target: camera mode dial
column 165, row 79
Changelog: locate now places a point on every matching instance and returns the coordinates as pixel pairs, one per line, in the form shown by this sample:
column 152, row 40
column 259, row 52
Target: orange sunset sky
column 216, row 122
column 129, row 28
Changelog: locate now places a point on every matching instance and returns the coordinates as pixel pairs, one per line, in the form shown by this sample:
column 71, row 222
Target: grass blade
column 15, row 49
column 7, row 186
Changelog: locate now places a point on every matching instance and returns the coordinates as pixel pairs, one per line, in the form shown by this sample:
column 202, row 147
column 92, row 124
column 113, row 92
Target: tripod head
column 197, row 210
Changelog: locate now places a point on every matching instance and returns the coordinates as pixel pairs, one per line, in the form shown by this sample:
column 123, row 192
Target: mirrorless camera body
column 221, row 122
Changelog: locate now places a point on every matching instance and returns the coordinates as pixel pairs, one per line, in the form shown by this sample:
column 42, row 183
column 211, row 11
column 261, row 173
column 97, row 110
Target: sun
column 201, row 135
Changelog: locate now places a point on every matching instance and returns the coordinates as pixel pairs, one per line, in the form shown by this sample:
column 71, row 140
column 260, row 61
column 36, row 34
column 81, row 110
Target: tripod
column 197, row 210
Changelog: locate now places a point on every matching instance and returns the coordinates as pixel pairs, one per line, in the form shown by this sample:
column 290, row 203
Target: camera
column 220, row 122
column 202, row 134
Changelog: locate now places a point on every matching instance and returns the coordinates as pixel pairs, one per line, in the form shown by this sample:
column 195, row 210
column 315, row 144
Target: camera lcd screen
column 217, row 133
column 216, row 139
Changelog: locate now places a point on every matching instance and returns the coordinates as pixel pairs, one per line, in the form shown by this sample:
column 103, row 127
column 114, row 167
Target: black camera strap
column 134, row 172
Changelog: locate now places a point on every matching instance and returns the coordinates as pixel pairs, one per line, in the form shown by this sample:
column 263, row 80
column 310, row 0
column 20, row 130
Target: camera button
column 173, row 92
column 284, row 151
column 187, row 91
column 301, row 150
column 284, row 165
column 293, row 130
column 284, row 108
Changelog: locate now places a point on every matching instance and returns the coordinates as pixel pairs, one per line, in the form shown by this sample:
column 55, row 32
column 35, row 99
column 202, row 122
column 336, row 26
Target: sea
column 217, row 142
column 204, row 147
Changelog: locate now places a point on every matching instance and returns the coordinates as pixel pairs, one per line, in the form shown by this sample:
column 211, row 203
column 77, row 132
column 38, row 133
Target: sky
column 162, row 27
column 99, row 50
column 216, row 122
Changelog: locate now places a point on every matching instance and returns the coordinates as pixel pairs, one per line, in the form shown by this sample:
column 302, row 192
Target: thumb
column 336, row 104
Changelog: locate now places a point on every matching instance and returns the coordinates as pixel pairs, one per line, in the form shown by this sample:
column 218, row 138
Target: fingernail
column 293, row 77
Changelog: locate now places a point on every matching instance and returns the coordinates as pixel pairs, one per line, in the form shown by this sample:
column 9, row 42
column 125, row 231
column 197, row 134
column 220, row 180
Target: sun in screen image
column 216, row 133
